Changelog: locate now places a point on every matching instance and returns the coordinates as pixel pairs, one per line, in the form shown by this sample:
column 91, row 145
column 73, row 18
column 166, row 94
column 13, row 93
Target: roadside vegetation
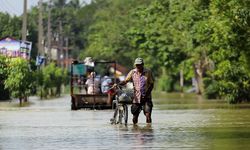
column 21, row 82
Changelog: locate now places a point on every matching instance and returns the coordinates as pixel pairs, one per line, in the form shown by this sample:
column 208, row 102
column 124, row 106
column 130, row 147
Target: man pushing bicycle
column 143, row 83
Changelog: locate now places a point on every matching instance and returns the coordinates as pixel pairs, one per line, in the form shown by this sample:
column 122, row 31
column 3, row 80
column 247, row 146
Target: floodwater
column 50, row 124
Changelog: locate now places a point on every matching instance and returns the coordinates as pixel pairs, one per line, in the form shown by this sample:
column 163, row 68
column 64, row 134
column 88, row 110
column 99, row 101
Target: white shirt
column 93, row 86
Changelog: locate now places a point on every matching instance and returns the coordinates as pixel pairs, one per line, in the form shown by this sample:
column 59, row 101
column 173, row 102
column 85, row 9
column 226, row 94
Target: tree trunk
column 200, row 84
column 41, row 93
column 181, row 80
column 25, row 99
column 199, row 78
column 200, row 69
column 20, row 101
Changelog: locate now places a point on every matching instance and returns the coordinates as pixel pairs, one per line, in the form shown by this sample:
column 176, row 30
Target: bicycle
column 121, row 101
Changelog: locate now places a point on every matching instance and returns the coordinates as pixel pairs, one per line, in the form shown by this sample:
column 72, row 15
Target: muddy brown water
column 194, row 124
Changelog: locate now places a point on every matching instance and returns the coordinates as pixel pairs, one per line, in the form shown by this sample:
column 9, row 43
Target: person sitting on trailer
column 93, row 84
column 81, row 82
column 106, row 84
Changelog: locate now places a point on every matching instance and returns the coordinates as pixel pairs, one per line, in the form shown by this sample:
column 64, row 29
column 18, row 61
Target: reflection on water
column 138, row 136
column 52, row 125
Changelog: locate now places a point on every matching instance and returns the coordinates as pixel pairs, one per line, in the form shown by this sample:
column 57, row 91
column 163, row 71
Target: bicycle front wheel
column 114, row 119
column 125, row 114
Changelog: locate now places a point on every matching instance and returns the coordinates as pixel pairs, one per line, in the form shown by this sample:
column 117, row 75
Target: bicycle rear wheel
column 121, row 115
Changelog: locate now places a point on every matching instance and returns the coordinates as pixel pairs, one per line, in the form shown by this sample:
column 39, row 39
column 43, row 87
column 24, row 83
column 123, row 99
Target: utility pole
column 60, row 50
column 67, row 53
column 49, row 32
column 24, row 25
column 24, row 31
column 181, row 80
column 40, row 30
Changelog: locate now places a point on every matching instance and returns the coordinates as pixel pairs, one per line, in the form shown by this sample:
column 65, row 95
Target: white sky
column 15, row 7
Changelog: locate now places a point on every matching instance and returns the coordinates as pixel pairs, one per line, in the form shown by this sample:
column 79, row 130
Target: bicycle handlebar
column 115, row 86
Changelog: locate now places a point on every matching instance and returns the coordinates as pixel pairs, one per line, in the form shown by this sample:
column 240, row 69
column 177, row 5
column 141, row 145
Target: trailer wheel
column 73, row 104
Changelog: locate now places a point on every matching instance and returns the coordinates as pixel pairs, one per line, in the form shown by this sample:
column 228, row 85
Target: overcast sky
column 15, row 7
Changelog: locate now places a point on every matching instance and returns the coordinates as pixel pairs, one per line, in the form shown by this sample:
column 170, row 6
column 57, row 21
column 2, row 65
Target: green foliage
column 229, row 22
column 212, row 88
column 4, row 93
column 3, row 68
column 10, row 26
column 50, row 79
column 19, row 78
column 107, row 34
column 165, row 83
column 233, row 81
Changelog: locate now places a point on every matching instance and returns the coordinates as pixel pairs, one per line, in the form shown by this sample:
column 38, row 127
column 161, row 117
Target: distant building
column 59, row 54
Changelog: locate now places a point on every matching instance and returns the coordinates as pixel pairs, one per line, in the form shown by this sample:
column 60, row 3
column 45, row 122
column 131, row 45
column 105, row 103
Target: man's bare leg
column 135, row 119
column 148, row 117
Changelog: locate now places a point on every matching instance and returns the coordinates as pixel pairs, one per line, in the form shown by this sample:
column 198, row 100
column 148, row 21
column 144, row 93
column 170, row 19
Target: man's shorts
column 145, row 106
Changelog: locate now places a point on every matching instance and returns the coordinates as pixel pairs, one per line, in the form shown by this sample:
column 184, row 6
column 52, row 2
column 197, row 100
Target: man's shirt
column 141, row 82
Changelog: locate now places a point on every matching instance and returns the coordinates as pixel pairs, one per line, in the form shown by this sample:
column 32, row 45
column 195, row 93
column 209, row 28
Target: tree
column 50, row 80
column 107, row 34
column 20, row 79
column 10, row 26
column 229, row 23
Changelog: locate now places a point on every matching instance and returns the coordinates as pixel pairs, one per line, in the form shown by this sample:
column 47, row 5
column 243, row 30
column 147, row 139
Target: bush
column 50, row 79
column 231, row 81
column 165, row 83
column 19, row 79
column 211, row 88
column 4, row 93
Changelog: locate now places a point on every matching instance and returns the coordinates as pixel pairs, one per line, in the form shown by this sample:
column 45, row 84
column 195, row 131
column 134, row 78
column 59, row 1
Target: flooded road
column 50, row 124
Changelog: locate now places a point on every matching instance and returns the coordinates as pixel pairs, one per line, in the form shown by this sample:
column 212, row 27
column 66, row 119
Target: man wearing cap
column 143, row 83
